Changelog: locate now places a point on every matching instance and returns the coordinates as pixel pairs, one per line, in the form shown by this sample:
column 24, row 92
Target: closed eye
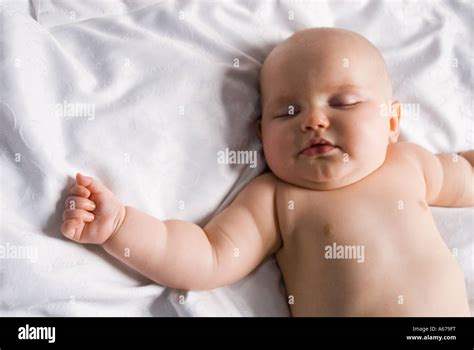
column 344, row 105
column 287, row 115
column 345, row 100
column 289, row 112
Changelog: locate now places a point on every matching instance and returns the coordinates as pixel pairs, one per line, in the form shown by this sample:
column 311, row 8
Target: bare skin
column 362, row 190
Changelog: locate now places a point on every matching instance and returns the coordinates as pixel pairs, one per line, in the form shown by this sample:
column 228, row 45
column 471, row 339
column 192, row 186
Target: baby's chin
column 322, row 179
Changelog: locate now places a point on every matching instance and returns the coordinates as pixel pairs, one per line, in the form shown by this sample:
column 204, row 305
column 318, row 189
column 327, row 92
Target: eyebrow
column 346, row 87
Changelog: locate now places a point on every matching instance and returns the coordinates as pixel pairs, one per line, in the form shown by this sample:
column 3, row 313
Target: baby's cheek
column 275, row 157
column 279, row 146
column 365, row 135
column 272, row 154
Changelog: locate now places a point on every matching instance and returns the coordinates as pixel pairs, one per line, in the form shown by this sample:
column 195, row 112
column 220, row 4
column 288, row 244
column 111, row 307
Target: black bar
column 381, row 331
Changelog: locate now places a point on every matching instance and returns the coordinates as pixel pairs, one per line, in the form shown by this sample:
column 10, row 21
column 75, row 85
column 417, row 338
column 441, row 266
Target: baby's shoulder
column 414, row 161
column 408, row 152
column 260, row 189
column 267, row 181
column 404, row 148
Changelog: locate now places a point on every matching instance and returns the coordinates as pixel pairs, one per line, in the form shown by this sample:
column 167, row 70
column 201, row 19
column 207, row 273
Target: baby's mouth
column 317, row 146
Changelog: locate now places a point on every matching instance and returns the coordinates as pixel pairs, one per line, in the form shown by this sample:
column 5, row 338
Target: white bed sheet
column 167, row 97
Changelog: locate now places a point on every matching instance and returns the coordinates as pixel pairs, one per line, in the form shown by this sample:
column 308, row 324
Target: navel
column 328, row 229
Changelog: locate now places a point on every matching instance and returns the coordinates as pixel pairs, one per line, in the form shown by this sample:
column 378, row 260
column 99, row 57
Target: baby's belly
column 388, row 271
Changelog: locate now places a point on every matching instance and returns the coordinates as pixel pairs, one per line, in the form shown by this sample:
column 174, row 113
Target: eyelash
column 288, row 115
column 344, row 105
column 334, row 105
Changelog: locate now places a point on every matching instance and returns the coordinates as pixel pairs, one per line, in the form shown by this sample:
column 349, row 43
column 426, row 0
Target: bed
column 143, row 94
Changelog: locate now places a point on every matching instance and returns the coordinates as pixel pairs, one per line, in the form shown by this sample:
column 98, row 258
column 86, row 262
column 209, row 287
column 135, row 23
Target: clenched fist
column 93, row 213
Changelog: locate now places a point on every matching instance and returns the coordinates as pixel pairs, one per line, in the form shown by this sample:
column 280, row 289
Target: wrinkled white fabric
column 155, row 90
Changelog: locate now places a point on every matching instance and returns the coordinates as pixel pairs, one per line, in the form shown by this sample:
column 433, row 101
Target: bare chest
column 386, row 201
column 353, row 241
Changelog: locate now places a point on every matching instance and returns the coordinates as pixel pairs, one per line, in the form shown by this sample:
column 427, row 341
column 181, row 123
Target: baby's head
column 321, row 85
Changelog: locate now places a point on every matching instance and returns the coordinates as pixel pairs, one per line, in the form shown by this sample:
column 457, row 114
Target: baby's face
column 326, row 86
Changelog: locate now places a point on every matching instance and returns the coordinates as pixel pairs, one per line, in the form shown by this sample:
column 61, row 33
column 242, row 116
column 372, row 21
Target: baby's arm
column 182, row 255
column 449, row 177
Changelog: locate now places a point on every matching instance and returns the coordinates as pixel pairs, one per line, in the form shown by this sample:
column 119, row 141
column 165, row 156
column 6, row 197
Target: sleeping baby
column 345, row 208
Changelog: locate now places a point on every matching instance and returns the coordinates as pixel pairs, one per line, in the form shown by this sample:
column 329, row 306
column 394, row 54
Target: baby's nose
column 313, row 120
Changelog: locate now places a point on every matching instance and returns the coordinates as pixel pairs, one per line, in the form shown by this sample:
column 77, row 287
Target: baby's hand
column 93, row 213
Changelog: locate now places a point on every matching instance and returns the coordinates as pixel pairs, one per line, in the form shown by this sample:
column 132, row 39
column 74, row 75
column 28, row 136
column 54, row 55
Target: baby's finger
column 74, row 202
column 92, row 184
column 79, row 214
column 78, row 190
column 72, row 229
column 68, row 227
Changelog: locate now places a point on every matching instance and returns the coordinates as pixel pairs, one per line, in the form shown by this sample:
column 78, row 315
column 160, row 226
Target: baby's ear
column 259, row 129
column 395, row 115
